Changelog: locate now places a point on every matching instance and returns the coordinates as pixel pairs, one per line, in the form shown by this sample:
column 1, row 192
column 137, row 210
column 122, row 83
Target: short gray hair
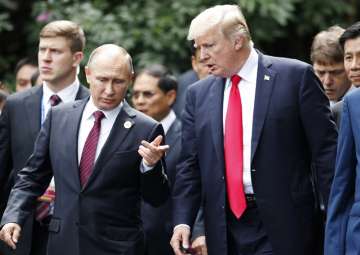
column 112, row 47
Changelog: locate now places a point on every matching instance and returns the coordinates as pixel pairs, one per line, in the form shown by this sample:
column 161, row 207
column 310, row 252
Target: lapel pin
column 127, row 124
column 266, row 77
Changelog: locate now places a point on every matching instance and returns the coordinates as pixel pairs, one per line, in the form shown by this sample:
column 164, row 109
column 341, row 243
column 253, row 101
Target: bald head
column 110, row 52
column 109, row 72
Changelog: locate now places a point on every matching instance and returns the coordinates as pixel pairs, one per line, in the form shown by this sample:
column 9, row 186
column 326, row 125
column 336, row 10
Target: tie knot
column 98, row 115
column 235, row 79
column 55, row 100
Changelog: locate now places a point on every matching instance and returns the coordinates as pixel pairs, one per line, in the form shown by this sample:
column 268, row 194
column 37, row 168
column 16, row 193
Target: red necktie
column 233, row 143
column 89, row 151
column 43, row 208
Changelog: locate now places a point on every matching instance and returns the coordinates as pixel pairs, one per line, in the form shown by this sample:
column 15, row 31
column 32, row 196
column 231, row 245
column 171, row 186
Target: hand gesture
column 152, row 152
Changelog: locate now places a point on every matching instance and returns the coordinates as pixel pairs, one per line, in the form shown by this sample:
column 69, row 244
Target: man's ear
column 77, row 57
column 171, row 97
column 239, row 42
column 87, row 74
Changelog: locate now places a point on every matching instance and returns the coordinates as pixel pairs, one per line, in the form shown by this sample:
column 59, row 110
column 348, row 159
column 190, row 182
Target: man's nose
column 203, row 54
column 109, row 88
column 47, row 55
column 355, row 63
column 327, row 80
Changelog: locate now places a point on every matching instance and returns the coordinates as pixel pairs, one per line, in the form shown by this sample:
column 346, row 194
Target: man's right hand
column 10, row 234
column 181, row 237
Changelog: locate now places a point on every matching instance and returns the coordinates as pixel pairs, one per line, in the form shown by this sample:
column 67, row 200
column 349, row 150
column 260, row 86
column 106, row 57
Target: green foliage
column 154, row 31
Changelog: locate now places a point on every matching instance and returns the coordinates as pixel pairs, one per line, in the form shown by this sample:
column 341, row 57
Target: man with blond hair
column 60, row 52
column 251, row 143
column 328, row 61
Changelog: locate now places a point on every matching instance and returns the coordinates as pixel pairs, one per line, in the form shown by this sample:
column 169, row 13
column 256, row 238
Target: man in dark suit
column 252, row 133
column 342, row 227
column 60, row 53
column 199, row 71
column 92, row 149
column 154, row 93
column 327, row 57
column 350, row 44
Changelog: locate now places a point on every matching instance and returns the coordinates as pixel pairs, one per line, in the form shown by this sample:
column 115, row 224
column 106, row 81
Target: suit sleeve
column 5, row 155
column 187, row 188
column 320, row 131
column 342, row 191
column 154, row 183
column 32, row 180
column 199, row 226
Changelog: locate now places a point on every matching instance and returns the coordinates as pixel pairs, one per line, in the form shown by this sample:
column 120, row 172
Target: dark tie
column 43, row 208
column 89, row 151
column 55, row 100
column 233, row 143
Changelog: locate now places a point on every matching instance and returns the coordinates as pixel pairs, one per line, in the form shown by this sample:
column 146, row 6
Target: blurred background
column 154, row 31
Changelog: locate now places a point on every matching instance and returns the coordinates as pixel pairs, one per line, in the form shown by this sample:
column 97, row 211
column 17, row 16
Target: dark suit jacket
column 292, row 131
column 336, row 110
column 157, row 221
column 104, row 216
column 184, row 81
column 20, row 124
column 342, row 228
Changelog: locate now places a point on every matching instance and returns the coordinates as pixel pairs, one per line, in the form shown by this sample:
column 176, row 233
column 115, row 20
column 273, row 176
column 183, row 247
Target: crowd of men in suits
column 245, row 161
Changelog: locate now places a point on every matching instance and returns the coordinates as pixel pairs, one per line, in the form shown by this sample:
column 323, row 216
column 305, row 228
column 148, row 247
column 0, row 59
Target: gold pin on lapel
column 127, row 124
column 266, row 77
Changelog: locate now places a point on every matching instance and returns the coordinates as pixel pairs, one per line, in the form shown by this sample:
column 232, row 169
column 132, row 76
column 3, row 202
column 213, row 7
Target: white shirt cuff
column 181, row 225
column 145, row 168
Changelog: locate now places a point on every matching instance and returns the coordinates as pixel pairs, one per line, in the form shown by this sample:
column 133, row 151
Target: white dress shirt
column 87, row 123
column 247, row 88
column 67, row 94
column 168, row 121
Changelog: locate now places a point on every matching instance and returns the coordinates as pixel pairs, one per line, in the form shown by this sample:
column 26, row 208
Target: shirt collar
column 168, row 121
column 67, row 94
column 249, row 69
column 90, row 108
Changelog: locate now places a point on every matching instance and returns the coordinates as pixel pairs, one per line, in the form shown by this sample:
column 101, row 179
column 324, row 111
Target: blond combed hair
column 67, row 29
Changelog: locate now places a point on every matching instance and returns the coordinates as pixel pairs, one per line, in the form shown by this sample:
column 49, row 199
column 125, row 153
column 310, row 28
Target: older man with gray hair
column 251, row 146
column 105, row 156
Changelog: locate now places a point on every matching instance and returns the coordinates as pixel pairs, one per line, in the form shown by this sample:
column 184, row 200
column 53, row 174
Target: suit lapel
column 173, row 132
column 117, row 135
column 73, row 121
column 264, row 88
column 216, row 113
column 33, row 110
column 82, row 93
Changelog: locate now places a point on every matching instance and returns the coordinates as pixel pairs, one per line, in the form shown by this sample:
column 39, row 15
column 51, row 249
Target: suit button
column 223, row 207
column 222, row 177
column 253, row 170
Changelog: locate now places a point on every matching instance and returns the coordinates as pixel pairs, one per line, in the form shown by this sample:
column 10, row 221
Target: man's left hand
column 199, row 245
column 152, row 152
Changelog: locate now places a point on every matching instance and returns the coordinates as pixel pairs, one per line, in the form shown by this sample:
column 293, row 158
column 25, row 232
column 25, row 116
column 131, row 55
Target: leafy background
column 154, row 31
